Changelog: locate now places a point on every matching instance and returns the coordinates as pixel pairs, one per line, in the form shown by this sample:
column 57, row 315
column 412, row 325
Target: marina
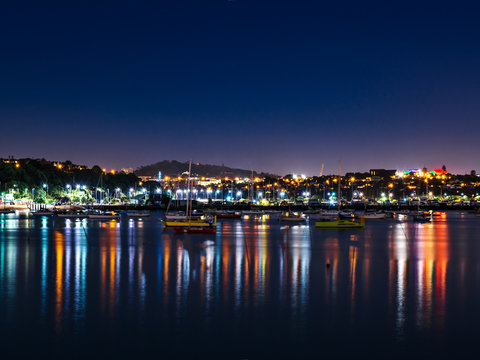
column 263, row 286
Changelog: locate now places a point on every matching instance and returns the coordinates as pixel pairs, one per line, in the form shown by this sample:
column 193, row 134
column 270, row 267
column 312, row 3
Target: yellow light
column 352, row 179
column 390, row 185
column 113, row 172
column 17, row 165
column 104, row 170
column 60, row 166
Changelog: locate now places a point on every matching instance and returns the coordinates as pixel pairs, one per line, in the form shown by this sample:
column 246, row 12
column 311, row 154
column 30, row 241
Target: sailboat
column 191, row 225
column 340, row 223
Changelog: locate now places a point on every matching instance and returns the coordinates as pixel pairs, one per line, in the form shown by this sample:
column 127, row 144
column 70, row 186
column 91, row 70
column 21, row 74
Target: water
column 256, row 289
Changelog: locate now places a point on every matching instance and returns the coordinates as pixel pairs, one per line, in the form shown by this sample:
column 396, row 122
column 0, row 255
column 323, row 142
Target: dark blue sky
column 280, row 86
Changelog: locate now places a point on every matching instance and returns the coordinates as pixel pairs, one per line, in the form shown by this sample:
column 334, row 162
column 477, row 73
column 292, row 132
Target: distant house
column 382, row 173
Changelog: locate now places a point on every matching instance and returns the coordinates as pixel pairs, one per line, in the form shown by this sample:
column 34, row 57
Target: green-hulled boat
column 341, row 224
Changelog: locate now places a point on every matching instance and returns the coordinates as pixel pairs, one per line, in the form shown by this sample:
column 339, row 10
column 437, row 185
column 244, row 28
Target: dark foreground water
column 256, row 289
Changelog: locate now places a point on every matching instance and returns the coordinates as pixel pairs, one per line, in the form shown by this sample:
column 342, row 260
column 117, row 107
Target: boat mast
column 188, row 189
column 339, row 188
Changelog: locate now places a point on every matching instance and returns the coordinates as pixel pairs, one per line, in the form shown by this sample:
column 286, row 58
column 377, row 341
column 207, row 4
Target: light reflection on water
column 397, row 280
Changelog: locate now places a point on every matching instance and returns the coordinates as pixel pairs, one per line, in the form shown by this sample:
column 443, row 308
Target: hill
column 176, row 168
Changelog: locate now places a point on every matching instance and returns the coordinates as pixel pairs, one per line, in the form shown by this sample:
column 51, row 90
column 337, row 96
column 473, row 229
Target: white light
column 131, row 189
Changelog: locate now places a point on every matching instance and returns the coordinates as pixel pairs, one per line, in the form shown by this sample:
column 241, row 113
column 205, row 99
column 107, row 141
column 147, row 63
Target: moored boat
column 374, row 215
column 187, row 223
column 7, row 211
column 104, row 216
column 137, row 215
column 72, row 215
column 421, row 219
column 42, row 213
column 341, row 224
column 290, row 216
column 228, row 215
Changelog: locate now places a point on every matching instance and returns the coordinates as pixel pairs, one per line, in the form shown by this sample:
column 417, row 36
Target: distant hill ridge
column 176, row 168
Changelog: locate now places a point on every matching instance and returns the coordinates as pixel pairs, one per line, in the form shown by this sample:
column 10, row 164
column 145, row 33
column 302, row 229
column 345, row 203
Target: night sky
column 279, row 86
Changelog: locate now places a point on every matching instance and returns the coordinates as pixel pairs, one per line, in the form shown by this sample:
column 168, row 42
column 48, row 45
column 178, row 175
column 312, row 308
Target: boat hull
column 104, row 217
column 186, row 224
column 339, row 224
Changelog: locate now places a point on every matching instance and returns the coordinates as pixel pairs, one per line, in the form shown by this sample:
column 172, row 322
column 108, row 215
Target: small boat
column 341, row 224
column 7, row 211
column 374, row 215
column 329, row 212
column 72, row 215
column 290, row 216
column 252, row 212
column 421, row 219
column 104, row 216
column 42, row 213
column 228, row 215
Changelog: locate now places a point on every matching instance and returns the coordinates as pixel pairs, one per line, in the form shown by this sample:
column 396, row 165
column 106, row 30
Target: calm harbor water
column 256, row 289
